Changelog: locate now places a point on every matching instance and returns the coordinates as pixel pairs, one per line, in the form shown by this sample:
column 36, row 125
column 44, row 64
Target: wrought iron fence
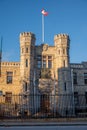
column 42, row 106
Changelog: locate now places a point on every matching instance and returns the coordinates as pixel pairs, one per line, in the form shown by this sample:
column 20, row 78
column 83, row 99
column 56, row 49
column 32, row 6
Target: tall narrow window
column 74, row 78
column 9, row 77
column 39, row 61
column 85, row 78
column 65, row 86
column 59, row 51
column 49, row 57
column 39, row 64
column 64, row 63
column 8, row 97
column 22, row 50
column 44, row 63
column 26, row 49
column 49, row 64
column 86, row 97
column 76, row 98
column 25, row 87
column 1, row 92
column 63, row 51
column 49, row 61
column 26, row 62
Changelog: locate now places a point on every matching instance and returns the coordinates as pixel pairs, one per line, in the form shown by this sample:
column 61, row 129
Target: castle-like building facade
column 44, row 70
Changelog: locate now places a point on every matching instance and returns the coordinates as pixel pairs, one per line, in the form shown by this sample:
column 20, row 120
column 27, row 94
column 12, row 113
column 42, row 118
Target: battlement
column 16, row 64
column 61, row 36
column 27, row 34
column 76, row 65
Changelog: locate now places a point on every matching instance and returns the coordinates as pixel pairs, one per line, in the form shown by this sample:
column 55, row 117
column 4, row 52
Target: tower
column 62, row 45
column 61, row 42
column 27, row 45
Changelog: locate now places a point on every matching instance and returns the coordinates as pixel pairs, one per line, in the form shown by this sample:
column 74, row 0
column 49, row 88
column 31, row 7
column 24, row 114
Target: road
column 44, row 128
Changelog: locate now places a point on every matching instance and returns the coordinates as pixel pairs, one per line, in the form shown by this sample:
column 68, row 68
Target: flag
column 44, row 12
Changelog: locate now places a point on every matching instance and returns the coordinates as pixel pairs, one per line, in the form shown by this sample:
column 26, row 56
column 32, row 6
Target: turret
column 27, row 44
column 61, row 42
column 62, row 45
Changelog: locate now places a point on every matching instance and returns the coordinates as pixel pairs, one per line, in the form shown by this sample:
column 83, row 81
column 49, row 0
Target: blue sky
column 65, row 16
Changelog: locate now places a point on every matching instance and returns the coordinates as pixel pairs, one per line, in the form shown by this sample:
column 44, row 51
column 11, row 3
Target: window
column 39, row 64
column 74, row 78
column 44, row 57
column 9, row 77
column 8, row 97
column 44, row 61
column 59, row 51
column 26, row 62
column 85, row 78
column 26, row 49
column 49, row 57
column 39, row 61
column 39, row 74
column 49, row 61
column 63, row 51
column 76, row 99
column 31, row 49
column 49, row 64
column 1, row 93
column 86, row 97
column 25, row 87
column 38, row 57
column 22, row 50
column 44, row 64
column 65, row 86
column 64, row 63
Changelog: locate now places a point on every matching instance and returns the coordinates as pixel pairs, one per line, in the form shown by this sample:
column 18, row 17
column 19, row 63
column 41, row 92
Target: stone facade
column 5, row 86
column 43, row 70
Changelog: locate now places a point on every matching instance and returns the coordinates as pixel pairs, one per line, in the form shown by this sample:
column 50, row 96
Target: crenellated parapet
column 27, row 34
column 61, row 39
column 16, row 64
column 27, row 38
column 61, row 36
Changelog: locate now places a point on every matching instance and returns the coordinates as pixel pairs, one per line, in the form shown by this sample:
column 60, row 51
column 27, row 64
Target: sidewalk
column 44, row 122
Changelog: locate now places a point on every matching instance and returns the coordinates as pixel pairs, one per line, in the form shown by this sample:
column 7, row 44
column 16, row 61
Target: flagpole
column 42, row 28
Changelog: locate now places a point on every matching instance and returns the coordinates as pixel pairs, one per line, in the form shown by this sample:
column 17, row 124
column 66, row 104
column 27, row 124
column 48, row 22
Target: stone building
column 44, row 70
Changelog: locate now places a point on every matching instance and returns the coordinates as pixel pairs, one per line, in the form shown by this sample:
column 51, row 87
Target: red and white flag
column 44, row 12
